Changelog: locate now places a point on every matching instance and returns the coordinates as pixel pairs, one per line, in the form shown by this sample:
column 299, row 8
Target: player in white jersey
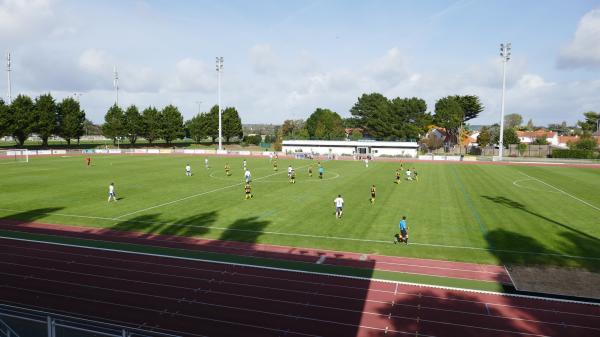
column 244, row 164
column 111, row 192
column 339, row 204
column 188, row 170
column 290, row 171
column 366, row 162
column 206, row 163
column 247, row 176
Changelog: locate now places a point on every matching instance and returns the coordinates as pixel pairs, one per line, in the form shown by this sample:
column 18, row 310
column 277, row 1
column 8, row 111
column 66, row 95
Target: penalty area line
column 563, row 192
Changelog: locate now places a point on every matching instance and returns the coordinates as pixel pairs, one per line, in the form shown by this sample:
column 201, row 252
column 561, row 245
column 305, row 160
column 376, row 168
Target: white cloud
column 584, row 49
column 532, row 81
column 95, row 61
column 191, row 75
column 263, row 59
column 21, row 19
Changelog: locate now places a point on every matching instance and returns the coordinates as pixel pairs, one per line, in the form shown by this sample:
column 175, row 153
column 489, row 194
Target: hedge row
column 577, row 154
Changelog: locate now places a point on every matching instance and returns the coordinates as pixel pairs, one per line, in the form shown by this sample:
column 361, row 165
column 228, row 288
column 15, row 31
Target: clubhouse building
column 359, row 148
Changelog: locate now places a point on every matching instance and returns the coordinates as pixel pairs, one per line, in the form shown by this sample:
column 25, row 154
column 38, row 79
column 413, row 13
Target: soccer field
column 463, row 212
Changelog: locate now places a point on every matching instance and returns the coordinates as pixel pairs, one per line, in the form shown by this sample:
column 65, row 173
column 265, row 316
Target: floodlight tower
column 116, row 85
column 77, row 95
column 8, row 76
column 505, row 51
column 219, row 71
column 199, row 104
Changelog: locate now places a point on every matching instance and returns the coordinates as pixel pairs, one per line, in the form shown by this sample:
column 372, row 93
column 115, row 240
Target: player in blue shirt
column 321, row 171
column 403, row 236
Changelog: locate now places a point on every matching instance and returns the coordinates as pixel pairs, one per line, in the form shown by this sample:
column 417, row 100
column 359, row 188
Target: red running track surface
column 196, row 298
column 462, row 270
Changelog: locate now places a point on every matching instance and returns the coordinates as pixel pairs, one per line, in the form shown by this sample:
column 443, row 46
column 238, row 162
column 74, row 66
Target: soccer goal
column 8, row 156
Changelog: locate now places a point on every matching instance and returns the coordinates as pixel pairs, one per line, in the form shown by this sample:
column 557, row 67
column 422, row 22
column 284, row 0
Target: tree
column 325, row 124
column 172, row 123
column 540, row 141
column 199, row 127
column 70, row 120
column 21, row 120
column 291, row 128
column 232, row 124
column 151, row 120
column 46, row 117
column 530, row 126
column 450, row 115
column 133, row 124
column 114, row 123
column 590, row 121
column 585, row 142
column 510, row 137
column 512, row 121
column 484, row 137
column 213, row 123
column 356, row 135
column 471, row 106
column 351, row 122
column 373, row 113
column 409, row 118
column 452, row 112
column 4, row 118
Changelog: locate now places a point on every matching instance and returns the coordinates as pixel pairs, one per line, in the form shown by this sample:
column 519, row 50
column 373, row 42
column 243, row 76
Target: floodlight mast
column 116, row 85
column 8, row 77
column 219, row 71
column 505, row 52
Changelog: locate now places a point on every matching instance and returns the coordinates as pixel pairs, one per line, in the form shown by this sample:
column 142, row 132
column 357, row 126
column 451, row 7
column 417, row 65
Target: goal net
column 14, row 156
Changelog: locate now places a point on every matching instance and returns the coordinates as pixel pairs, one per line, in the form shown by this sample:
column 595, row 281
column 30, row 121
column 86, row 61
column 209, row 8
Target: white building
column 350, row 148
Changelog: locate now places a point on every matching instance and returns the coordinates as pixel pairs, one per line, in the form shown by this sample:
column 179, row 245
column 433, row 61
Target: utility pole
column 505, row 54
column 8, row 76
column 219, row 71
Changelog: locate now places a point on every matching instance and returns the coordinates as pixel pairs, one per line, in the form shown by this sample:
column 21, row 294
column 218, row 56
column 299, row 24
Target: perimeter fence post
column 124, row 333
column 51, row 327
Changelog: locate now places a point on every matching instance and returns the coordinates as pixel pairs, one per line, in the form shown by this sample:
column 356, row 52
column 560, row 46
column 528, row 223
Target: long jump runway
column 196, row 298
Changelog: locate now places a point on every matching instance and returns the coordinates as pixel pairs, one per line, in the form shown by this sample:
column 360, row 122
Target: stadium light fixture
column 199, row 104
column 505, row 52
column 219, row 68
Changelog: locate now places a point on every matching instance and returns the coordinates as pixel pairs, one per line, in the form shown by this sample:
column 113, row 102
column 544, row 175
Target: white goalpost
column 9, row 156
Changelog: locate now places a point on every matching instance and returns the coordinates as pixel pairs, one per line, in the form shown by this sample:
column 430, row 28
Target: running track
column 195, row 298
column 461, row 270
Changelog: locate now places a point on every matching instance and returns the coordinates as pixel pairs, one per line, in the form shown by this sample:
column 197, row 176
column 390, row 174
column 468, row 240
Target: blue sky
column 285, row 58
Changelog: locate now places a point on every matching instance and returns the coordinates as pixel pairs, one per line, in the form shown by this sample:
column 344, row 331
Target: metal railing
column 6, row 330
column 58, row 325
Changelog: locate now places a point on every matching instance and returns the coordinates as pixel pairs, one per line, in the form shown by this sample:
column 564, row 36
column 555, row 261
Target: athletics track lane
column 195, row 298
column 469, row 271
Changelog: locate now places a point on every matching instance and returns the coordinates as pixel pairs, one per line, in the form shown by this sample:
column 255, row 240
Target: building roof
column 371, row 143
column 536, row 134
column 567, row 139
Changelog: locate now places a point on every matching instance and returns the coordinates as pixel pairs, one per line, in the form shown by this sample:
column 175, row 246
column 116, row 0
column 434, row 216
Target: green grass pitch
column 474, row 213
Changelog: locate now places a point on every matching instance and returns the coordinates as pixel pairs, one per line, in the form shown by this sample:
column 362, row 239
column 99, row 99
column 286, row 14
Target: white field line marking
column 516, row 183
column 321, row 259
column 309, row 180
column 197, row 195
column 563, row 192
column 310, row 272
column 340, row 238
column 120, row 279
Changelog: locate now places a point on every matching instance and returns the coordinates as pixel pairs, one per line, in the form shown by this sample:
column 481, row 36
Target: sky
column 283, row 59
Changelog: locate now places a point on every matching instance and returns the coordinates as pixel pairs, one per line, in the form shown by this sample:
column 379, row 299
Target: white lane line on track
column 321, row 259
column 309, row 272
column 198, row 194
column 308, row 284
column 119, row 279
column 563, row 192
column 340, row 238
column 153, row 310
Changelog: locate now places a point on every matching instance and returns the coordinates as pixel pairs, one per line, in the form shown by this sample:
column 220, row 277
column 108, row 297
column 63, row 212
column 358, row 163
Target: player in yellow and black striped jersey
column 248, row 191
column 227, row 169
column 398, row 176
column 275, row 164
column 310, row 171
column 293, row 176
column 373, row 191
